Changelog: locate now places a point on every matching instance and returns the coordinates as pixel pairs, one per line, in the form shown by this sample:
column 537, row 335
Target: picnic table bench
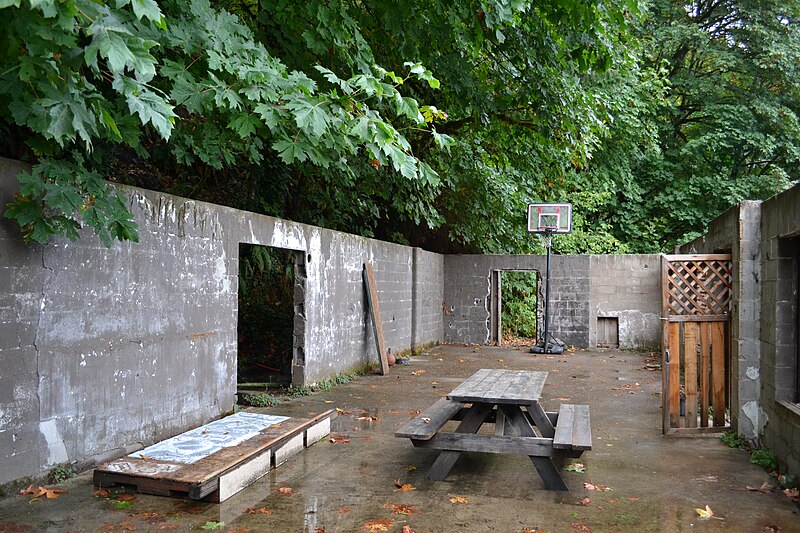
column 510, row 400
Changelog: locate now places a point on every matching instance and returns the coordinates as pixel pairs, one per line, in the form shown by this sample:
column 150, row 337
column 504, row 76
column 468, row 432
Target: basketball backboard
column 549, row 218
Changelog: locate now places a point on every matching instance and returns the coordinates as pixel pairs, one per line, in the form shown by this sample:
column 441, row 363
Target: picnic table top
column 501, row 386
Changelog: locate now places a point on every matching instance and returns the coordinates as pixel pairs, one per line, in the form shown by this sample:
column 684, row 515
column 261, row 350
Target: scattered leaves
column 212, row 525
column 403, row 486
column 459, row 499
column 381, row 524
column 259, row 510
column 126, row 497
column 707, row 513
column 101, row 492
column 340, row 439
column 286, row 491
column 575, row 467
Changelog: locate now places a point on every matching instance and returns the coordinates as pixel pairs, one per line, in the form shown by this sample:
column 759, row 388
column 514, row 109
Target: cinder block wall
column 582, row 288
column 780, row 424
column 738, row 231
column 627, row 287
column 104, row 348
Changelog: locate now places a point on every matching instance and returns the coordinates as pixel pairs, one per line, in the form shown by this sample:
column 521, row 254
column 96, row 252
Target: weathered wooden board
column 690, row 372
column 205, row 463
column 674, row 374
column 718, row 372
column 705, row 341
column 375, row 314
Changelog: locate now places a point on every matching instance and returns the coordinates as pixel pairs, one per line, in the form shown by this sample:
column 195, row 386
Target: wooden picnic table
column 510, row 400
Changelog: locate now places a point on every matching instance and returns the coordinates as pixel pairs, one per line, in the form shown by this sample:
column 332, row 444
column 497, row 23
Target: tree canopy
column 431, row 122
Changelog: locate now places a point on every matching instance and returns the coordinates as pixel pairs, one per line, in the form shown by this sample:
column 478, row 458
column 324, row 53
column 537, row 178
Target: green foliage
column 61, row 473
column 733, row 440
column 259, row 400
column 519, row 304
column 764, row 458
column 83, row 80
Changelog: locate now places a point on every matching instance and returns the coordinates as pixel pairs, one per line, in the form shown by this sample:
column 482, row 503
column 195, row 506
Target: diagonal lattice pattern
column 699, row 287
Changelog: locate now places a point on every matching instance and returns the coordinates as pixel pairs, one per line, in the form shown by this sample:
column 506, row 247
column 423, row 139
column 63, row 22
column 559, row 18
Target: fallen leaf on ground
column 125, row 525
column 575, row 467
column 340, row 439
column 709, row 479
column 367, row 418
column 417, row 372
column 533, row 530
column 585, row 502
column 403, row 486
column 409, row 468
column 243, row 530
column 212, row 525
column 381, row 524
column 259, row 510
column 601, row 488
column 407, row 529
column 771, row 528
column 342, row 510
column 792, row 494
column 583, row 528
column 633, row 498
column 286, row 491
column 125, row 498
column 707, row 513
column 459, row 499
column 404, row 509
column 101, row 492
column 38, row 492
column 426, row 420
column 170, row 525
column 765, row 488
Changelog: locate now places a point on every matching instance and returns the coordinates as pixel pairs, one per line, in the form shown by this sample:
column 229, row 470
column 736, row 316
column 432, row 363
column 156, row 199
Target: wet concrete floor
column 655, row 483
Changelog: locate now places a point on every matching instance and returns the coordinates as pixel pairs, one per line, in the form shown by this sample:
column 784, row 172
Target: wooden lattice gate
column 696, row 303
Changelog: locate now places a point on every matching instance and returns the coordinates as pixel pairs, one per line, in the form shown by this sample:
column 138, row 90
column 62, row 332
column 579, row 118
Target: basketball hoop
column 547, row 220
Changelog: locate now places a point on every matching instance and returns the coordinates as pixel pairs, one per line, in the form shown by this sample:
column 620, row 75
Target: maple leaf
column 707, row 513
column 381, row 524
column 286, row 491
column 459, row 499
column 31, row 489
column 260, row 510
column 404, row 509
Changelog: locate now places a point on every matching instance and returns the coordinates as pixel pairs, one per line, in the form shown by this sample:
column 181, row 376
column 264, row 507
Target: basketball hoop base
column 548, row 348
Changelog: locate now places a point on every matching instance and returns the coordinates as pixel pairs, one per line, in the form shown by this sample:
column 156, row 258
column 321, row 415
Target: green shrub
column 518, row 313
column 733, row 440
column 61, row 473
column 764, row 458
column 259, row 400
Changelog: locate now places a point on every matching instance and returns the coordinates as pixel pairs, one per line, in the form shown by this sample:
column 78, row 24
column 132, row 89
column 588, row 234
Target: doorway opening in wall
column 271, row 319
column 515, row 313
column 788, row 314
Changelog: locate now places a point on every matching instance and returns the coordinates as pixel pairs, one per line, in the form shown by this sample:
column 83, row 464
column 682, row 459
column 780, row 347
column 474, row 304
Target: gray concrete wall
column 738, row 232
column 627, row 287
column 102, row 348
column 780, row 248
column 582, row 288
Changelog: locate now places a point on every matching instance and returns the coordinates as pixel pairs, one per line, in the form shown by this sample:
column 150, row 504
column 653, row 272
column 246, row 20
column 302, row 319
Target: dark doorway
column 267, row 333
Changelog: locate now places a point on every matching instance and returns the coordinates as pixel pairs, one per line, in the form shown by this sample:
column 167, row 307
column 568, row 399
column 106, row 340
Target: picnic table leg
column 546, row 467
column 471, row 423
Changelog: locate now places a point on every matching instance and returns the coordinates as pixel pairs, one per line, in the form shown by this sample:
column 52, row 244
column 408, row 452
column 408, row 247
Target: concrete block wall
column 627, row 287
column 780, row 394
column 738, row 232
column 581, row 287
column 101, row 348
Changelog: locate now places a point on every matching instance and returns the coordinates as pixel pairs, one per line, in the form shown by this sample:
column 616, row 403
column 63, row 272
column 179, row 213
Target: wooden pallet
column 219, row 475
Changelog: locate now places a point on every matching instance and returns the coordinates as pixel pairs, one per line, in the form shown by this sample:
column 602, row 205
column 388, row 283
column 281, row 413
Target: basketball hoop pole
column 545, row 346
